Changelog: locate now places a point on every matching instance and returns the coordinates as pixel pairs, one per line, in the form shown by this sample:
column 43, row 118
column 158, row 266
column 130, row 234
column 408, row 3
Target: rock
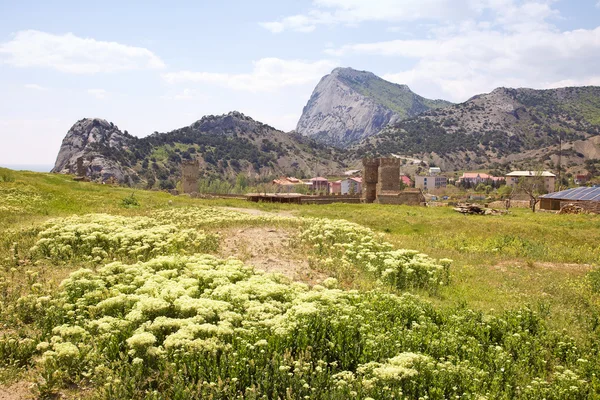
column 87, row 139
column 349, row 105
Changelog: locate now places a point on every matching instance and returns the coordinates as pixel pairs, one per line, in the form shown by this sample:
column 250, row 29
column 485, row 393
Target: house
column 287, row 184
column 587, row 198
column 406, row 181
column 475, row 178
column 582, row 179
column 430, row 182
column 351, row 186
column 352, row 172
column 435, row 171
column 336, row 187
column 549, row 178
column 319, row 184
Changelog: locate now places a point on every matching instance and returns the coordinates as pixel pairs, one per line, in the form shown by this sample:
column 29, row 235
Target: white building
column 435, row 171
column 351, row 186
column 430, row 182
column 549, row 178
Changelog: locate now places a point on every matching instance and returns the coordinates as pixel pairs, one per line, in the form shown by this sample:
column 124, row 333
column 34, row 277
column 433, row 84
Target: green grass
column 500, row 262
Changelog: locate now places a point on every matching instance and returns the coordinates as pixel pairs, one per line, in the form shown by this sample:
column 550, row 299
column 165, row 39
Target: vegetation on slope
column 398, row 98
column 179, row 324
column 493, row 127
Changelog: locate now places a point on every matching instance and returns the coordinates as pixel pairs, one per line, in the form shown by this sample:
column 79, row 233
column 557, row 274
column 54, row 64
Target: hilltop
column 518, row 126
column 349, row 105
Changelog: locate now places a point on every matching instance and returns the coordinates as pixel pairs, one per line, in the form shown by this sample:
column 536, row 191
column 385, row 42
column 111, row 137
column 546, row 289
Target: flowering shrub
column 210, row 216
column 202, row 327
column 98, row 237
column 339, row 242
column 19, row 199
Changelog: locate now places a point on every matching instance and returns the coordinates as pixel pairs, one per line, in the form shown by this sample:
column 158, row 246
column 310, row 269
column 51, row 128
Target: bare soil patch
column 270, row 249
column 17, row 391
column 254, row 211
column 543, row 265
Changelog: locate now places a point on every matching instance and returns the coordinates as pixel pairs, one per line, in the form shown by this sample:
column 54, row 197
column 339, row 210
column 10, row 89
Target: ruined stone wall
column 80, row 168
column 190, row 172
column 411, row 198
column 370, row 178
column 589, row 206
column 389, row 175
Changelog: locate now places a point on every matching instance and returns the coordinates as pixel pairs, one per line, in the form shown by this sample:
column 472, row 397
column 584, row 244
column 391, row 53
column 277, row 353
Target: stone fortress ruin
column 190, row 172
column 381, row 183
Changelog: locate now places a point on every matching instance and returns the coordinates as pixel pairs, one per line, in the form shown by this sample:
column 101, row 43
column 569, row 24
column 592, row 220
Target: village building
column 587, row 198
column 288, row 184
column 351, row 186
column 582, row 179
column 406, row 181
column 475, row 178
column 353, row 172
column 335, row 187
column 319, row 184
column 430, row 182
column 549, row 178
column 435, row 171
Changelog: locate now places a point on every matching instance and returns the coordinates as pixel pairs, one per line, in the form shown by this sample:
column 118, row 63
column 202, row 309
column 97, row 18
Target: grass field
column 543, row 263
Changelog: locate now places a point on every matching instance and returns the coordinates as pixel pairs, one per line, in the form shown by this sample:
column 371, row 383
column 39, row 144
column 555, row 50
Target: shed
column 587, row 198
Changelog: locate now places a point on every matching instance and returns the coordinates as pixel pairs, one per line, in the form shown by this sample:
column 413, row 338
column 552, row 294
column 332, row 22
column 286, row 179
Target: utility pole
column 559, row 160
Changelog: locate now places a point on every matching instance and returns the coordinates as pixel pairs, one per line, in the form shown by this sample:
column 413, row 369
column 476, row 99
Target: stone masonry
column 190, row 172
column 370, row 178
column 80, row 168
column 389, row 175
column 381, row 183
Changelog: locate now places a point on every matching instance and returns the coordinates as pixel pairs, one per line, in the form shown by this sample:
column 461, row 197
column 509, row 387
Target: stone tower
column 370, row 179
column 190, row 172
column 389, row 175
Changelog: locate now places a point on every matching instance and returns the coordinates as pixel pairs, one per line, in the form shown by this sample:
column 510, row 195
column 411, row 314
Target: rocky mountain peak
column 348, row 105
column 88, row 138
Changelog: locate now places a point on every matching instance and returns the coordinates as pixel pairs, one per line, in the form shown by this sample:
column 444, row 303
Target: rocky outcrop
column 90, row 138
column 225, row 146
column 348, row 106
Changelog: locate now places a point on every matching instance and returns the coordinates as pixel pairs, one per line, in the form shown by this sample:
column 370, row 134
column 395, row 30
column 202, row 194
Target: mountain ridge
column 225, row 145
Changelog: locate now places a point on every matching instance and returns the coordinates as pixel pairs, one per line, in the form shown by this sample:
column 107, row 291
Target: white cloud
column 185, row 95
column 73, row 54
column 511, row 14
column 34, row 86
column 351, row 12
column 98, row 93
column 267, row 75
column 478, row 60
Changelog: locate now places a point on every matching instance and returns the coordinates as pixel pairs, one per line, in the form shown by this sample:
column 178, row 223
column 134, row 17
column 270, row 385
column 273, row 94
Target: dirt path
column 17, row 391
column 254, row 211
column 270, row 249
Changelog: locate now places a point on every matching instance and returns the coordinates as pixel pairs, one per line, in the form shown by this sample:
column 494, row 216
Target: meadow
column 112, row 293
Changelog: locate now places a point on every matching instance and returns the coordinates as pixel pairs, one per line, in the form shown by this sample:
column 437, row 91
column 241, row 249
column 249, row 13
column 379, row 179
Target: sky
column 157, row 66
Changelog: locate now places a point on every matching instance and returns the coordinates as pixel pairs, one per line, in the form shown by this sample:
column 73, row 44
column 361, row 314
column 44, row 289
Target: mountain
column 348, row 106
column 225, row 145
column 505, row 126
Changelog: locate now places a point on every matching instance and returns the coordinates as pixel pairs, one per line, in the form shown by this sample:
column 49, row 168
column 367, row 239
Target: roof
column 580, row 193
column 319, row 179
column 357, row 179
column 531, row 173
column 352, row 172
column 405, row 179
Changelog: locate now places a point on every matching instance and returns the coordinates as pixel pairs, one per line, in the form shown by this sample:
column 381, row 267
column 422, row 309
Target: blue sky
column 156, row 66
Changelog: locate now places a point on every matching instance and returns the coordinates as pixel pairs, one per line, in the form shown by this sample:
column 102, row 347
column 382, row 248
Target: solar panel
column 581, row 193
